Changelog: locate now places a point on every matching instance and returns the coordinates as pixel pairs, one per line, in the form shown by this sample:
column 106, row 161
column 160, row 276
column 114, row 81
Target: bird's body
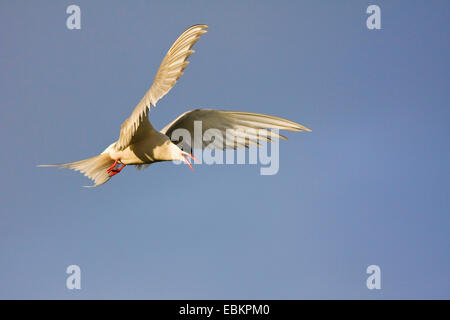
column 140, row 144
column 152, row 146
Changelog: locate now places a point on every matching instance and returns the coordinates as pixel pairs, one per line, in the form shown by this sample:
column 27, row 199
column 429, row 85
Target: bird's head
column 180, row 155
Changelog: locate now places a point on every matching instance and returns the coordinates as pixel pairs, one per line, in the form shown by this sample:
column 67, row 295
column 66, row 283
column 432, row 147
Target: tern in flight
column 140, row 144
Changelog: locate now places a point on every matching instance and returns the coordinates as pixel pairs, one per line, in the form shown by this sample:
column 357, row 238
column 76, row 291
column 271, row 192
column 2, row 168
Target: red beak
column 184, row 154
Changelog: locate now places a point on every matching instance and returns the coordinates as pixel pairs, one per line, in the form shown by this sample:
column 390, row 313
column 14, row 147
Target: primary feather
column 170, row 70
column 239, row 129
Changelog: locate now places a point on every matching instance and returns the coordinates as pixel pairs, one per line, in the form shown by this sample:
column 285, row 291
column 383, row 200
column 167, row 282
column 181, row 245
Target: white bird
column 141, row 145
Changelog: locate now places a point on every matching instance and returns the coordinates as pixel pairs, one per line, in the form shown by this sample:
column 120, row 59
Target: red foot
column 112, row 171
column 112, row 167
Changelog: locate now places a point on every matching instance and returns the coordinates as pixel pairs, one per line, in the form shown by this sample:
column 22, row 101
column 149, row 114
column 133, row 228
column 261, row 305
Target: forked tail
column 94, row 168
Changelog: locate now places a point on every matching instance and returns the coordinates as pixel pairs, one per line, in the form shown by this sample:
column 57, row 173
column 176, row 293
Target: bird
column 140, row 144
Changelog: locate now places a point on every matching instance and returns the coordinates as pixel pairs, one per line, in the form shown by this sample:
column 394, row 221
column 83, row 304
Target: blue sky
column 369, row 185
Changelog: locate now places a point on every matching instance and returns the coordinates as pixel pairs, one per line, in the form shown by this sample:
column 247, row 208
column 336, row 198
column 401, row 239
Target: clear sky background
column 370, row 184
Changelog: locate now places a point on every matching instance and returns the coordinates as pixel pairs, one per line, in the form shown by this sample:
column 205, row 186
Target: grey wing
column 170, row 70
column 227, row 129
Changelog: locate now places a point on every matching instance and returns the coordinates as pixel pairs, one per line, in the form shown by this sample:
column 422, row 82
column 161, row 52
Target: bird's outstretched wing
column 170, row 70
column 233, row 129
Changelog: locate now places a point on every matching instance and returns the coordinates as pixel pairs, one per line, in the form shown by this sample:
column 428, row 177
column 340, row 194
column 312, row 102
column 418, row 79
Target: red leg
column 116, row 171
column 112, row 167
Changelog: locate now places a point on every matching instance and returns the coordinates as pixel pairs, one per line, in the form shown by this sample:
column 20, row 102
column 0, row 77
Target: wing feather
column 170, row 70
column 237, row 129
